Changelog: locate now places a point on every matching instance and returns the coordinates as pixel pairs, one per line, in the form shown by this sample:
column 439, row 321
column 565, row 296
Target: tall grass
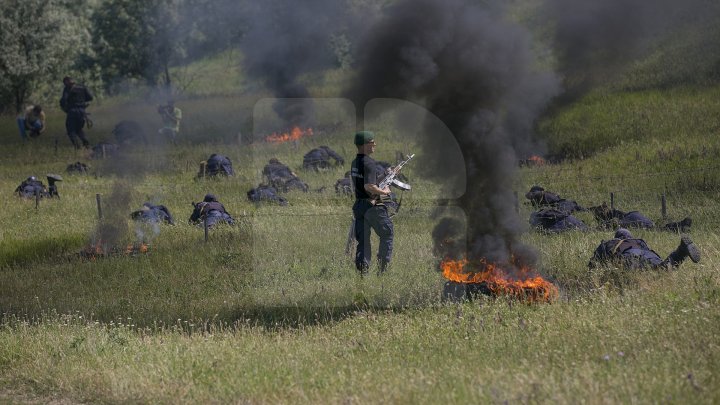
column 271, row 310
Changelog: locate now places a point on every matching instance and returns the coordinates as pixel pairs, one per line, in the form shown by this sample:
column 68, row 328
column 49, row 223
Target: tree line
column 105, row 43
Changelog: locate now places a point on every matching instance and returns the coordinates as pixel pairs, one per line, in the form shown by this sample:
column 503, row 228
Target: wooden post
column 99, row 206
column 187, row 166
column 37, row 198
column 203, row 168
column 664, row 206
column 612, row 200
column 205, row 225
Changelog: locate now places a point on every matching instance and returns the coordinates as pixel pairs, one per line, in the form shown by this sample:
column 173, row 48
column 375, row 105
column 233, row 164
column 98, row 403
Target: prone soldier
column 634, row 253
column 211, row 211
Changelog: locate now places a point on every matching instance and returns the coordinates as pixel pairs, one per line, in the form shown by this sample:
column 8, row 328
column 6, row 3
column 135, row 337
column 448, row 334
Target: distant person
column 170, row 116
column 210, row 210
column 319, row 159
column 129, row 132
column 609, row 218
column 77, row 167
column 282, row 178
column 541, row 198
column 31, row 122
column 344, row 186
column 633, row 253
column 153, row 214
column 75, row 99
column 265, row 193
column 216, row 165
column 555, row 221
column 31, row 187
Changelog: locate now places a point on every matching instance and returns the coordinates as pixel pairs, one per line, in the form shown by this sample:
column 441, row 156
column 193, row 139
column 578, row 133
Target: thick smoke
column 287, row 39
column 113, row 227
column 596, row 41
column 475, row 72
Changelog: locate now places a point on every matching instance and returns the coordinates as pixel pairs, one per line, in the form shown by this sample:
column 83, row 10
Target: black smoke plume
column 287, row 39
column 597, row 41
column 475, row 71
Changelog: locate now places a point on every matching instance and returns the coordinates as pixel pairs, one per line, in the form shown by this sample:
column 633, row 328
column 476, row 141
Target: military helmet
column 210, row 198
column 536, row 188
column 623, row 233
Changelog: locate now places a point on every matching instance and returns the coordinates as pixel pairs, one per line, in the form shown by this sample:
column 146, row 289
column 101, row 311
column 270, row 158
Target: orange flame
column 528, row 287
column 536, row 160
column 294, row 134
column 99, row 249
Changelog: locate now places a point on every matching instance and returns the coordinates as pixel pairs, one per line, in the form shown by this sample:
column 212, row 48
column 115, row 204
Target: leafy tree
column 142, row 39
column 41, row 39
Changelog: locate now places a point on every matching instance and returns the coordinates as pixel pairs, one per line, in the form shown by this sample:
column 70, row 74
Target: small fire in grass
column 533, row 160
column 293, row 135
column 101, row 249
column 491, row 279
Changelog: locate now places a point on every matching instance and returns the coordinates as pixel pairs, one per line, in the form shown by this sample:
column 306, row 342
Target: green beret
column 363, row 137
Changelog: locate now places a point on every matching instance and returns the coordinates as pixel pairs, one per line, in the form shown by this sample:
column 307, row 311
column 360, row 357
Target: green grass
column 271, row 310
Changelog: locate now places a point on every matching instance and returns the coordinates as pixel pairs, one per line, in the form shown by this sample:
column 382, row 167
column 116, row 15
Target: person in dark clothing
column 555, row 221
column 217, row 165
column 153, row 214
column 344, row 186
column 541, row 198
column 75, row 99
column 368, row 210
column 610, row 217
column 30, row 187
column 129, row 132
column 212, row 210
column 77, row 167
column 319, row 159
column 633, row 253
column 282, row 178
column 265, row 193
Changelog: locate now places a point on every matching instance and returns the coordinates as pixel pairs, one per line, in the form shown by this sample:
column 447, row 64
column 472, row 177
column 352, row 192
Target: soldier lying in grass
column 634, row 253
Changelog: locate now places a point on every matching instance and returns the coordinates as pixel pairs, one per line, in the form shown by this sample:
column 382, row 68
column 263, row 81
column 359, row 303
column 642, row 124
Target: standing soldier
column 171, row 117
column 75, row 99
column 368, row 210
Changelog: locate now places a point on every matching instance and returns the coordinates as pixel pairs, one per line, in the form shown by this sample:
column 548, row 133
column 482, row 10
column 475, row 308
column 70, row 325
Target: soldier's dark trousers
column 368, row 216
column 74, row 124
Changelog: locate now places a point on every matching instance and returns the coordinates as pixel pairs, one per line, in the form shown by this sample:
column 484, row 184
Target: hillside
column 272, row 311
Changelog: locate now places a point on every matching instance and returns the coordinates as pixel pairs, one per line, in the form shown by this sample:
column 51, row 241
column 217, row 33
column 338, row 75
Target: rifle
column 391, row 179
column 391, row 176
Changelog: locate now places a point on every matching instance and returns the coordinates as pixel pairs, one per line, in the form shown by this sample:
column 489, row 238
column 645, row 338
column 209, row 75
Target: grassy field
column 271, row 310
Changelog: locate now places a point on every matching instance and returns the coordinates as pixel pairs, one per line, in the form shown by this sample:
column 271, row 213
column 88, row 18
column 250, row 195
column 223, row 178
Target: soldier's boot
column 686, row 249
column 689, row 248
column 362, row 268
column 382, row 267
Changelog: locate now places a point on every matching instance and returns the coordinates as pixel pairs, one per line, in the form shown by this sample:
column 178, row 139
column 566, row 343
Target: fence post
column 664, row 206
column 205, row 225
column 37, row 198
column 98, row 199
column 612, row 200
